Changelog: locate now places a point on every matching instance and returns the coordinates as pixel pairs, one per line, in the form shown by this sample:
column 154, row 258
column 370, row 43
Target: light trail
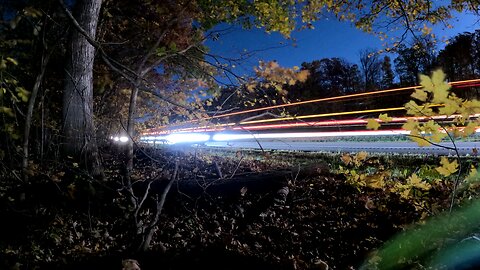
column 323, row 123
column 346, row 122
column 457, row 84
column 320, row 115
column 476, row 81
column 293, row 135
column 227, row 137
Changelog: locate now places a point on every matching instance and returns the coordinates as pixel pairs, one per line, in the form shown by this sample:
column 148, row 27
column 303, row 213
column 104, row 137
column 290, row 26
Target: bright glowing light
column 123, row 139
column 186, row 137
column 116, row 139
column 231, row 137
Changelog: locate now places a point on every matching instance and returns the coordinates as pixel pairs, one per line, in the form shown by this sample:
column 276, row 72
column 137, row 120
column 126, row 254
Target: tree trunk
column 78, row 126
column 131, row 126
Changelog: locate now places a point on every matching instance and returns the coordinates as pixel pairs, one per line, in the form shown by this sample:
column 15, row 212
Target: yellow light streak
column 315, row 101
column 330, row 114
column 204, row 128
column 327, row 99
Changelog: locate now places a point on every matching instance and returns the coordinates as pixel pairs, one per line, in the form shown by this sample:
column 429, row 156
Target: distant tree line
column 329, row 77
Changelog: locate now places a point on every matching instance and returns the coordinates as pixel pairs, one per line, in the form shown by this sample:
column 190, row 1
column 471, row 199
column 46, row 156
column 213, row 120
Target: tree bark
column 78, row 127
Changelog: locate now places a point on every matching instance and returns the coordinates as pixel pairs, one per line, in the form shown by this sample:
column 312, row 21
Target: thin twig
column 236, row 168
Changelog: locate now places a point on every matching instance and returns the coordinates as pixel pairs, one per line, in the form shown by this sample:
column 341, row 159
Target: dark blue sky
column 330, row 38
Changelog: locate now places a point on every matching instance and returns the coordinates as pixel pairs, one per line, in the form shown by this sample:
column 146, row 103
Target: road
column 464, row 148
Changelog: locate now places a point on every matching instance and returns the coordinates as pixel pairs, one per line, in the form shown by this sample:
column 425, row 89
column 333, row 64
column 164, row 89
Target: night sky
column 330, row 38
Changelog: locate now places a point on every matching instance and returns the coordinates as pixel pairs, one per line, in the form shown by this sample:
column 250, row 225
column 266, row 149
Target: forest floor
column 311, row 216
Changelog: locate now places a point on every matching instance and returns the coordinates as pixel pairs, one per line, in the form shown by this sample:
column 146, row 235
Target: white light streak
column 186, row 138
column 231, row 137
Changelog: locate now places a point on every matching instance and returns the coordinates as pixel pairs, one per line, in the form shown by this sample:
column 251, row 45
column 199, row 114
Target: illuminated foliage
column 436, row 91
column 271, row 75
column 447, row 167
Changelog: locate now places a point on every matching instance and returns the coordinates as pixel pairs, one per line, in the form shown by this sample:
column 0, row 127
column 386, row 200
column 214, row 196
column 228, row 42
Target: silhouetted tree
column 371, row 69
column 387, row 73
column 411, row 61
column 458, row 58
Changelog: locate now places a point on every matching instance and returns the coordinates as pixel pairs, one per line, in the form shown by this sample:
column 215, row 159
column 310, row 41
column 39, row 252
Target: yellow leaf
column 385, row 118
column 346, row 158
column 405, row 193
column 420, row 141
column 417, row 182
column 410, row 125
column 376, row 181
column 413, row 108
column 373, row 124
column 437, row 136
column 426, row 82
column 438, row 77
column 420, row 95
column 447, row 167
column 251, row 87
column 302, row 75
column 436, row 85
column 450, row 107
column 469, row 129
column 361, row 156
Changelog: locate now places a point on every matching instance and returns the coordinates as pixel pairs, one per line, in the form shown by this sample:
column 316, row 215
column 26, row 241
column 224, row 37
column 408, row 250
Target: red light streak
column 456, row 84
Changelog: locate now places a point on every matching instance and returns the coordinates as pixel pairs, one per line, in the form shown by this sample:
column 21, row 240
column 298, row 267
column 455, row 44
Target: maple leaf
column 361, row 156
column 447, row 167
column 469, row 129
column 410, row 125
column 346, row 158
column 385, row 118
column 373, row 124
column 421, row 141
column 376, row 181
column 420, row 95
column 451, row 107
column 472, row 106
column 431, row 127
column 405, row 193
column 437, row 136
column 417, row 182
column 436, row 85
column 413, row 108
column 426, row 82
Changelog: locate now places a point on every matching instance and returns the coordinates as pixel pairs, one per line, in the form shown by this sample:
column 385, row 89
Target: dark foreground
column 63, row 220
